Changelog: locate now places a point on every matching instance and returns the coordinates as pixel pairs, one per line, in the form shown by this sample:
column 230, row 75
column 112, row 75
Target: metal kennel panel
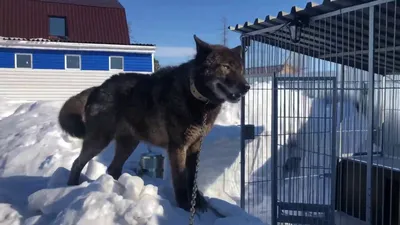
column 354, row 46
column 303, row 179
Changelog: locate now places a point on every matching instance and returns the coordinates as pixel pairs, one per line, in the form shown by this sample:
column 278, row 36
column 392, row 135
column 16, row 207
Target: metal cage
column 320, row 126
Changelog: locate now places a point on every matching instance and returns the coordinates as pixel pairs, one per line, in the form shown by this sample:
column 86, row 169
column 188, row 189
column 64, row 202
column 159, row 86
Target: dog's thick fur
column 162, row 109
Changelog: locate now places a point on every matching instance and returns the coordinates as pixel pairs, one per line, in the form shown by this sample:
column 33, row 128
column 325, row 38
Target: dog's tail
column 71, row 114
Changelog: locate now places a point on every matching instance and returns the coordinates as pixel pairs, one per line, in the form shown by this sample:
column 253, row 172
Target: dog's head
column 219, row 72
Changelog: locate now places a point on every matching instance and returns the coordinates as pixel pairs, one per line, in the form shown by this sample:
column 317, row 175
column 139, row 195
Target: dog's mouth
column 231, row 97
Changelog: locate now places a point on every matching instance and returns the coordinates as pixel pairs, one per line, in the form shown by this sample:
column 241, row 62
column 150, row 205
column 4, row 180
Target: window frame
column 65, row 62
column 16, row 60
column 65, row 25
column 115, row 56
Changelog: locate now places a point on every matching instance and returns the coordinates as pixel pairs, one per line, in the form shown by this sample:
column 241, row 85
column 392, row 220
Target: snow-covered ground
column 35, row 158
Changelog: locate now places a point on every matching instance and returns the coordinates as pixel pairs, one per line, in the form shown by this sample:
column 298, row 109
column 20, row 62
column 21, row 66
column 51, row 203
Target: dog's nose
column 246, row 87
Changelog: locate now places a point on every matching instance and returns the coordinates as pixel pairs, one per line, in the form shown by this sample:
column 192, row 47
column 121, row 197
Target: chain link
column 195, row 188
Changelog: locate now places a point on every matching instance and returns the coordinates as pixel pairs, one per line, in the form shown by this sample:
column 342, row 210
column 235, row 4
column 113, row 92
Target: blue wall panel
column 6, row 58
column 94, row 61
column 44, row 59
column 90, row 60
column 137, row 62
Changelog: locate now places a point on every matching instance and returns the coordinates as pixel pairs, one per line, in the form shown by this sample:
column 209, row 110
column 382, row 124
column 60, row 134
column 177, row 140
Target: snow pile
column 230, row 115
column 104, row 201
column 35, row 158
column 125, row 201
column 8, row 215
column 31, row 142
column 8, row 107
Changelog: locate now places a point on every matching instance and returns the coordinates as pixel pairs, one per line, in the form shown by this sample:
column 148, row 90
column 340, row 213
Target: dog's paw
column 181, row 197
column 201, row 203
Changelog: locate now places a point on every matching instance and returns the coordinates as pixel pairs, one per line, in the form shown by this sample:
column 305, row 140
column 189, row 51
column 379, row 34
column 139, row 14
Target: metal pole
column 370, row 114
column 342, row 83
column 333, row 141
column 242, row 138
column 274, row 150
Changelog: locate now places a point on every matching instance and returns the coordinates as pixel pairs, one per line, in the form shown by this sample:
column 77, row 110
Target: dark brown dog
column 165, row 109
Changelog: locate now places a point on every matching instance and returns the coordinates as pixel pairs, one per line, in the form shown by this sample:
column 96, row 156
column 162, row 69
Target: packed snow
column 35, row 158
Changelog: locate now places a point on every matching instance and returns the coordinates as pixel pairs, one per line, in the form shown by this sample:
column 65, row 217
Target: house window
column 72, row 61
column 116, row 63
column 57, row 26
column 23, row 60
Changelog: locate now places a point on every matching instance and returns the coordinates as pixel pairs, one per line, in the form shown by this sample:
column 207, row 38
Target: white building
column 38, row 69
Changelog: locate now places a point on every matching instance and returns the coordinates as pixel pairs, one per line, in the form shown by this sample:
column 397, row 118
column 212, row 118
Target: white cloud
column 174, row 51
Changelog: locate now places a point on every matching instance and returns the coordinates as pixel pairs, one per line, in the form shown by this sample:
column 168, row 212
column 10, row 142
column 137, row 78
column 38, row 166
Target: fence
column 320, row 137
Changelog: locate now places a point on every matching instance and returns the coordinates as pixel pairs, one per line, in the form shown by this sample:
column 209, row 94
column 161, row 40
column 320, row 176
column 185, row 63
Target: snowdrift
column 35, row 157
column 106, row 201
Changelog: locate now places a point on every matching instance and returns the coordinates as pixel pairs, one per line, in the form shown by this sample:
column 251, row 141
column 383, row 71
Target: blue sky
column 171, row 24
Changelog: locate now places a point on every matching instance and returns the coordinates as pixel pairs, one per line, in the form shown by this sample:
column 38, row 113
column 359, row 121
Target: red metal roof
column 102, row 22
column 97, row 3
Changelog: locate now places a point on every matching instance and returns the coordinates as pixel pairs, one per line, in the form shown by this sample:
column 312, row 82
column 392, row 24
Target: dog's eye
column 226, row 67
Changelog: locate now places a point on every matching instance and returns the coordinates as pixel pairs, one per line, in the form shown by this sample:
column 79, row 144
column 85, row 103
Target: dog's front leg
column 191, row 164
column 177, row 159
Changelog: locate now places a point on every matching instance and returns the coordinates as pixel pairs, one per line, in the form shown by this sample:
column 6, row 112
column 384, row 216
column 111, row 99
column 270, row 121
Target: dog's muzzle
column 243, row 89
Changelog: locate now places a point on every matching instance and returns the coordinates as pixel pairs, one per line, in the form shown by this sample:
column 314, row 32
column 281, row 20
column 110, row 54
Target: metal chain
column 195, row 188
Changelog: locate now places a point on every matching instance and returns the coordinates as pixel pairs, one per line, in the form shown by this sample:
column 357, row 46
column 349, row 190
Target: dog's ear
column 202, row 47
column 237, row 50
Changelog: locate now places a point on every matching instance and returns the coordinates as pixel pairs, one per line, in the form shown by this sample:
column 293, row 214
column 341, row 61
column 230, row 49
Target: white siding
column 59, row 85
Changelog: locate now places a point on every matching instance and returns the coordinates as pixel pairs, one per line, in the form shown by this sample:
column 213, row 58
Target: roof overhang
column 53, row 45
column 343, row 36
